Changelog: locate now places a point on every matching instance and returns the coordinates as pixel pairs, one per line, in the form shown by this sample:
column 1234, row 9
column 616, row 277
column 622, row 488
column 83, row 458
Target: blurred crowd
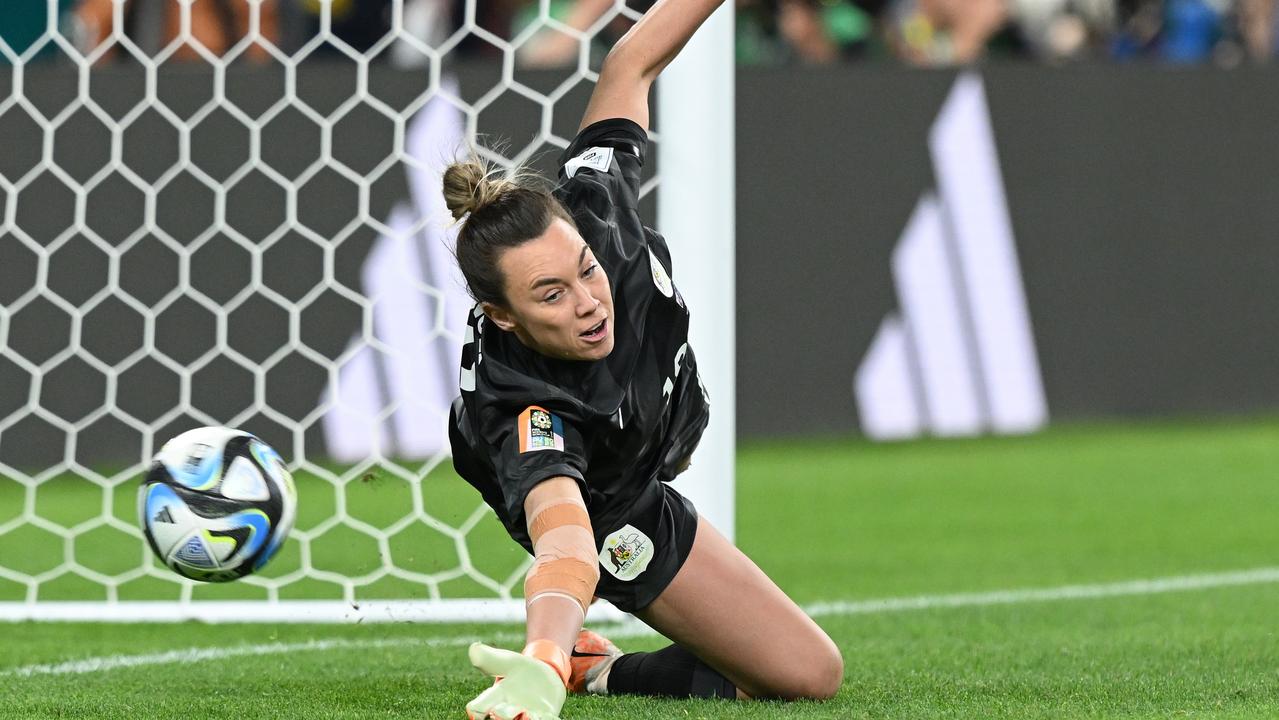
column 769, row 32
column 946, row 32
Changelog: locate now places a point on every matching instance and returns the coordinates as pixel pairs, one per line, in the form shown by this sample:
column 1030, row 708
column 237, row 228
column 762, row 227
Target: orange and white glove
column 530, row 686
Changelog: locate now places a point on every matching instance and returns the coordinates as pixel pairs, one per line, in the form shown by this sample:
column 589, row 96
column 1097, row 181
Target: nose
column 586, row 303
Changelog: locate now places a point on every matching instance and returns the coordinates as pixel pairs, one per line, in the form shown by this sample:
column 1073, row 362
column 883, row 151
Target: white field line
column 194, row 655
column 1154, row 586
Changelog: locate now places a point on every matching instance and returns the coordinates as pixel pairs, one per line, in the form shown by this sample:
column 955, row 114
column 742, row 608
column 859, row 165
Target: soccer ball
column 217, row 504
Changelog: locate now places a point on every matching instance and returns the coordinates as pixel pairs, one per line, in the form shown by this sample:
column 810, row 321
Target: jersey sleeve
column 601, row 170
column 537, row 445
column 600, row 177
column 605, row 162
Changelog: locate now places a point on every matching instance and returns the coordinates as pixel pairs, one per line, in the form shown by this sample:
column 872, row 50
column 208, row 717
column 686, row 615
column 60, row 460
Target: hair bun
column 464, row 188
column 469, row 187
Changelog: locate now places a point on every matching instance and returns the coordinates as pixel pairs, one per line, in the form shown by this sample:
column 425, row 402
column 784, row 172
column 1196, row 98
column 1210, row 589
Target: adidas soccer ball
column 217, row 504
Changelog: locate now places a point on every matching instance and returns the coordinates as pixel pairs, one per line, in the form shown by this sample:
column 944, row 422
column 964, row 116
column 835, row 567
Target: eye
column 552, row 297
column 590, row 271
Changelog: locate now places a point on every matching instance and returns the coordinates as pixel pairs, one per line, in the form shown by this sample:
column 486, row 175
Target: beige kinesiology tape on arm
column 565, row 563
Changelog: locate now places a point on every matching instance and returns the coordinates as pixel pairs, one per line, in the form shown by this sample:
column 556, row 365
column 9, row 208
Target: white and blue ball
column 217, row 504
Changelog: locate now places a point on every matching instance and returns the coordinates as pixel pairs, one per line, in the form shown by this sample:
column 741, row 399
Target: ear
column 500, row 316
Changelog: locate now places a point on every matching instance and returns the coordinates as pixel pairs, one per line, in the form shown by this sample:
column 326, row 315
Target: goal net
column 227, row 212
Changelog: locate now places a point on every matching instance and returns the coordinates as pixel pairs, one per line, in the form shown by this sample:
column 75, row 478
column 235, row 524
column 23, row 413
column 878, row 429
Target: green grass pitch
column 830, row 521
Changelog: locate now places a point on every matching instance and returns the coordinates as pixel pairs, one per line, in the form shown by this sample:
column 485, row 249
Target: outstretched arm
column 560, row 585
column 557, row 591
column 641, row 55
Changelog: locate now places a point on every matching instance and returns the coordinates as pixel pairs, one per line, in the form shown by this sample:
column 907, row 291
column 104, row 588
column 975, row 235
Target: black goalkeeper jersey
column 619, row 426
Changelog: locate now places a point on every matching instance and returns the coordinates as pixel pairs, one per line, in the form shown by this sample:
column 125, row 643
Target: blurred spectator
column 800, row 23
column 758, row 41
column 771, row 32
column 362, row 24
column 1258, row 23
column 821, row 31
column 1059, row 30
column 944, row 32
column 1177, row 30
column 358, row 23
column 23, row 22
column 1224, row 32
column 153, row 25
column 497, row 17
column 287, row 24
column 919, row 32
column 552, row 47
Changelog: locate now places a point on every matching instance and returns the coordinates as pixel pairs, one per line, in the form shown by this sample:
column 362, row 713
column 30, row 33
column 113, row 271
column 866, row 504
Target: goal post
column 256, row 239
column 695, row 212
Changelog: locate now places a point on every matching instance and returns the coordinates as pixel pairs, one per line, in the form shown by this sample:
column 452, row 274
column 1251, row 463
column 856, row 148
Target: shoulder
column 604, row 162
column 620, row 135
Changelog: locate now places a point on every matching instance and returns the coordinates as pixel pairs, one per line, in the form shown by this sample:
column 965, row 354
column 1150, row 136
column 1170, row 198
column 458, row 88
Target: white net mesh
column 226, row 212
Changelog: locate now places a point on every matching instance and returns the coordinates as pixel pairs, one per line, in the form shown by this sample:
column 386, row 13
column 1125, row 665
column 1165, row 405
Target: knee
column 817, row 677
column 826, row 676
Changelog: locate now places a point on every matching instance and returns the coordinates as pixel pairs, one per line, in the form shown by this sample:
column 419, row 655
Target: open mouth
column 596, row 332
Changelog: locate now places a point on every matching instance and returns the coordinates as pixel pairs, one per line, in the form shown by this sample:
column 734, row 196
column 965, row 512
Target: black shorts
column 642, row 541
column 642, row 547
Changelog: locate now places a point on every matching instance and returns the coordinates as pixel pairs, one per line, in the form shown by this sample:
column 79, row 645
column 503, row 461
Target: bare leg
column 725, row 610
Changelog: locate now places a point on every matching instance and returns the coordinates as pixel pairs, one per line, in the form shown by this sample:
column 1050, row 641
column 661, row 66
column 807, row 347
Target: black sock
column 671, row 671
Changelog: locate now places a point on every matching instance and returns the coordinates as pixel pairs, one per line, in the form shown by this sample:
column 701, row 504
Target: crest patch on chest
column 660, row 278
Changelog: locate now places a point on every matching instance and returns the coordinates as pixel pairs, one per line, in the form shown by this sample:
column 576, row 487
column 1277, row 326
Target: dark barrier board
column 830, row 164
column 1143, row 202
column 1146, row 208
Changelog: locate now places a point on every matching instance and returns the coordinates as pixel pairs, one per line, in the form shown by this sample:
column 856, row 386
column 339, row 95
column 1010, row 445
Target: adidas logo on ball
column 217, row 504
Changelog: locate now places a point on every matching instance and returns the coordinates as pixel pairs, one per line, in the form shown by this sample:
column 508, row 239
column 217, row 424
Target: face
column 559, row 300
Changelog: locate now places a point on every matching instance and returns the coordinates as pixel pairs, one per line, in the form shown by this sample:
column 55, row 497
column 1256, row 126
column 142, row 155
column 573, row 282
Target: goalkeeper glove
column 528, row 687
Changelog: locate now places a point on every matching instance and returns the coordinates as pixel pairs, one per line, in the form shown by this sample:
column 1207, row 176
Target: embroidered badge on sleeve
column 540, row 430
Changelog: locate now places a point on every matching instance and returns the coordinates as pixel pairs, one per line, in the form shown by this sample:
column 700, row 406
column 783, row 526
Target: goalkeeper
column 581, row 401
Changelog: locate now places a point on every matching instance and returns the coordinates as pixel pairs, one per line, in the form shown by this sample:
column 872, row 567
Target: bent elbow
column 625, row 64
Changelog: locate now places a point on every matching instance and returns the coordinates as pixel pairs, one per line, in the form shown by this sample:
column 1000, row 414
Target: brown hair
column 500, row 213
